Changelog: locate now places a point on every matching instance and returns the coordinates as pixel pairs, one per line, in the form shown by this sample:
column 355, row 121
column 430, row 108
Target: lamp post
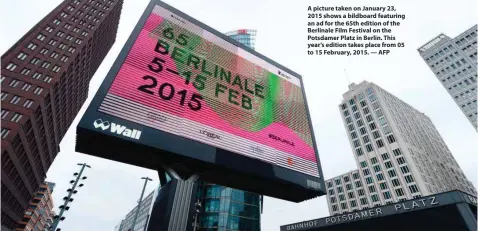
column 146, row 179
column 68, row 198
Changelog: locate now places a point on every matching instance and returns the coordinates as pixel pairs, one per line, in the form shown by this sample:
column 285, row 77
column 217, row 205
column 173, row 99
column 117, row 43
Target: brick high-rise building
column 44, row 80
column 39, row 214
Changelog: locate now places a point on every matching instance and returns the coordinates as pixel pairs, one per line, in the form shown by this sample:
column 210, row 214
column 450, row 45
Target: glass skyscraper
column 226, row 208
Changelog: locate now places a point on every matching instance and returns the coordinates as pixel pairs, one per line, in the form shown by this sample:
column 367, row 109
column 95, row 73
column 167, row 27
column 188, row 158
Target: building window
column 21, row 56
column 5, row 113
column 383, row 186
column 371, row 189
column 338, row 182
column 14, row 83
column 25, row 71
column 64, row 59
column 392, row 173
column 71, row 49
column 400, row 160
column 38, row 91
column 44, row 51
column 369, row 147
column 60, row 34
column 343, row 205
column 413, row 188
column 28, row 103
column 355, row 175
column 41, row 37
column 397, row 152
column 388, row 164
column 47, row 79
column 56, row 21
column 26, row 87
column 369, row 180
column 52, row 42
column 45, row 64
column 351, row 195
column 376, row 168
column 32, row 46
column 385, row 156
column 4, row 95
column 366, row 139
column 63, row 14
column 341, row 197
column 359, row 151
column 366, row 172
column 49, row 29
column 69, row 37
column 15, row 99
column 361, row 192
column 375, row 198
column 372, row 126
column 387, row 195
column 54, row 55
column 5, row 132
column 409, row 179
column 376, row 134
column 16, row 117
column 363, row 201
column 363, row 164
column 391, row 139
column 56, row 68
column 380, row 177
column 405, row 169
column 395, row 182
column 84, row 33
column 62, row 46
column 11, row 66
column 35, row 61
column 37, row 75
column 358, row 184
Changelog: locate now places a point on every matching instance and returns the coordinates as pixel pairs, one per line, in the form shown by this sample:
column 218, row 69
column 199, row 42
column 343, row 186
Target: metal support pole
column 146, row 179
column 467, row 216
column 57, row 221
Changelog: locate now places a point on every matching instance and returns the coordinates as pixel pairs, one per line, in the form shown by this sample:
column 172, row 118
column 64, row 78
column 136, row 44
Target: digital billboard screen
column 178, row 77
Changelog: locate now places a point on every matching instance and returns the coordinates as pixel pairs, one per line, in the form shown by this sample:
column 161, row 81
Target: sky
column 112, row 188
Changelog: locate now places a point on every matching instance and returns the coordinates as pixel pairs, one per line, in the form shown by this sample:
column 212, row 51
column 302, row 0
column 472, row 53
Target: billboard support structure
column 173, row 209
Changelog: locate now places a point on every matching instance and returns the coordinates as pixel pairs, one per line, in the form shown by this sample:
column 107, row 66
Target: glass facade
column 244, row 36
column 228, row 209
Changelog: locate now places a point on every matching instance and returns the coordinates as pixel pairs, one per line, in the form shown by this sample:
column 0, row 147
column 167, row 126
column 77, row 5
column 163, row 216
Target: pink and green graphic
column 188, row 67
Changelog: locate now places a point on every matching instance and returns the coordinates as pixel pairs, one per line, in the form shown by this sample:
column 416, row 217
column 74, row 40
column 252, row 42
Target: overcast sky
column 113, row 188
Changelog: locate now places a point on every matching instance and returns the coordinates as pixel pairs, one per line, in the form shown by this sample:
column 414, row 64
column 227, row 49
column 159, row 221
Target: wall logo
column 283, row 74
column 210, row 134
column 117, row 128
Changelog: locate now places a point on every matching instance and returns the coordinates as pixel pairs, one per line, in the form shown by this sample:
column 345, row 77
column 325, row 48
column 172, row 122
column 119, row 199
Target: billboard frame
column 84, row 127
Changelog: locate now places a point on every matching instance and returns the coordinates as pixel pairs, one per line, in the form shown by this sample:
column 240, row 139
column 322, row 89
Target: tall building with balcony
column 225, row 208
column 39, row 214
column 44, row 82
column 398, row 151
column 454, row 63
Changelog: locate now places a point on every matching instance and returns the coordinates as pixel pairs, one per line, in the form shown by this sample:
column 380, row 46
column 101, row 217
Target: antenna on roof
column 348, row 79
column 347, row 76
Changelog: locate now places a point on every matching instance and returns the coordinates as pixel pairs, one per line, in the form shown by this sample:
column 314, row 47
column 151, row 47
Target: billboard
column 179, row 84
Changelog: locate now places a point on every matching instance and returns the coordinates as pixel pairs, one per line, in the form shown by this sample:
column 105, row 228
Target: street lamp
column 68, row 199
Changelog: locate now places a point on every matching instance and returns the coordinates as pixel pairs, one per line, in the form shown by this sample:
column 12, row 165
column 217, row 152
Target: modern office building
column 44, row 79
column 142, row 219
column 453, row 61
column 226, row 208
column 398, row 151
column 39, row 214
